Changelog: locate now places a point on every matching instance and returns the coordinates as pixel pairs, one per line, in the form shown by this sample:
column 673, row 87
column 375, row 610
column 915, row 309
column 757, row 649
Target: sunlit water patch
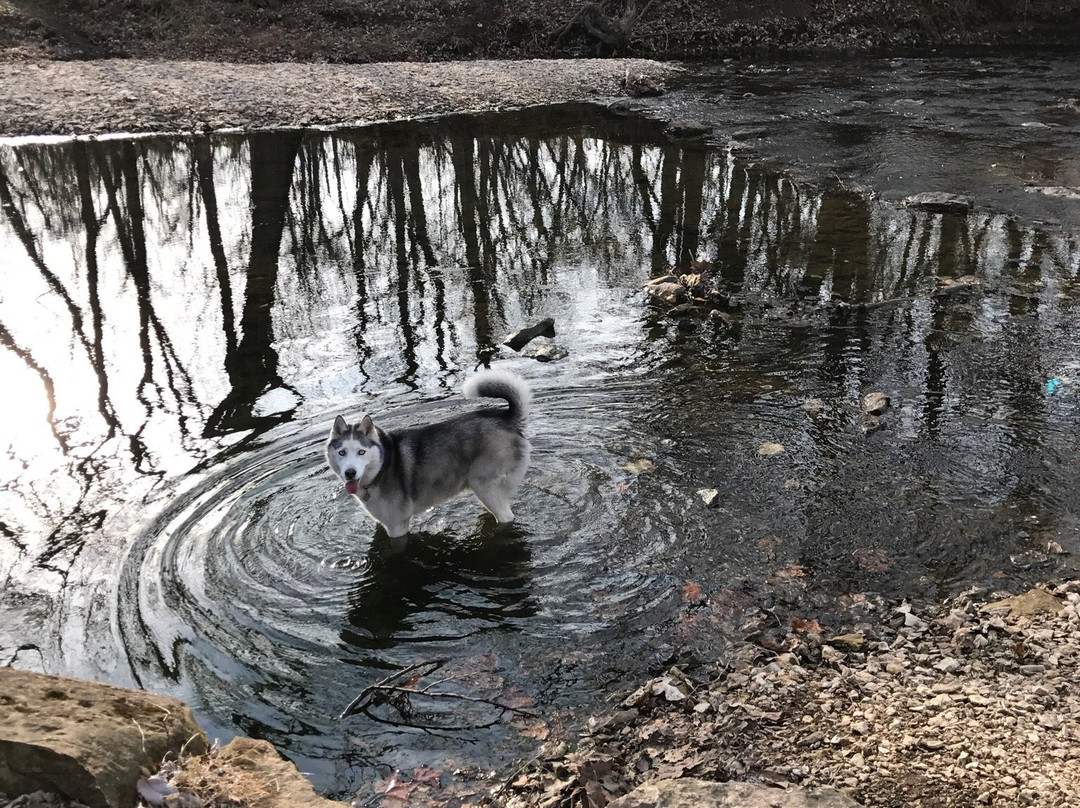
column 183, row 318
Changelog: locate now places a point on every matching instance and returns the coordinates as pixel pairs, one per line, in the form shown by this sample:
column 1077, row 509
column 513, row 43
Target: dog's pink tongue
column 352, row 486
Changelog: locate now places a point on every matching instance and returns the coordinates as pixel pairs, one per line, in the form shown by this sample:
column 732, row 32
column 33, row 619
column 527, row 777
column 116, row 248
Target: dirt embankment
column 366, row 31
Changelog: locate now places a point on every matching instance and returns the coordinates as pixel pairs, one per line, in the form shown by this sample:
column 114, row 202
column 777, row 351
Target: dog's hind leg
column 495, row 494
column 497, row 503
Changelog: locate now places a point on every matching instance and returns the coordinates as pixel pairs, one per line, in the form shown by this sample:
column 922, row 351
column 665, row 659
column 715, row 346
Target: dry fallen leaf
column 691, row 592
column 872, row 559
column 394, row 793
column 805, row 626
column 790, row 571
column 426, row 776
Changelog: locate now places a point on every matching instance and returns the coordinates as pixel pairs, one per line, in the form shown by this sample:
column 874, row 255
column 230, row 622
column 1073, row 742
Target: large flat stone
column 1029, row 604
column 86, row 740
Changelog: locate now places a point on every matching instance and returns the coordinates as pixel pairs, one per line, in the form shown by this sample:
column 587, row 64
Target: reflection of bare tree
column 396, row 185
column 27, row 239
column 252, row 365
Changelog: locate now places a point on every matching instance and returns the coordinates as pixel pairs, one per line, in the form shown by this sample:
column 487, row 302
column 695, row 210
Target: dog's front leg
column 396, row 531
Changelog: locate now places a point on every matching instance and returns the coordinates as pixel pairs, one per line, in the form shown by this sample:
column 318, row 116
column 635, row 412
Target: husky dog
column 399, row 474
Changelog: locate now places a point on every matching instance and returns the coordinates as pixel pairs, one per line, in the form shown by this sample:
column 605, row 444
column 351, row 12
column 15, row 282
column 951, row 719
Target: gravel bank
column 975, row 702
column 108, row 96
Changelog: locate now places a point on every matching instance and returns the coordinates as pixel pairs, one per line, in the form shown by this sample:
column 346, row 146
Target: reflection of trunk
column 204, row 160
column 122, row 173
column 92, row 228
column 29, row 242
column 464, row 179
column 410, row 163
column 693, row 186
column 669, row 209
column 133, row 246
column 396, row 185
column 542, row 239
column 363, row 173
column 840, row 248
column 934, row 378
column 252, row 367
column 1027, row 379
column 730, row 252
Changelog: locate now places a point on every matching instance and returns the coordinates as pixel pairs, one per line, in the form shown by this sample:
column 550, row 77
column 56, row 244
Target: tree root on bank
column 610, row 30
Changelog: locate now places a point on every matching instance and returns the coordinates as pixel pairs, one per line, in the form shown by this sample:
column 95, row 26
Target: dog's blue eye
column 361, row 451
column 341, row 452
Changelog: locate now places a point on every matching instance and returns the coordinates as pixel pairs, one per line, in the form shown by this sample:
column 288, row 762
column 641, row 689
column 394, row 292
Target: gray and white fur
column 396, row 475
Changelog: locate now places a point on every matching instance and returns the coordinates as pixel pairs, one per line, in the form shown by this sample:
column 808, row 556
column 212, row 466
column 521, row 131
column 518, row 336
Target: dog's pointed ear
column 340, row 427
column 367, row 426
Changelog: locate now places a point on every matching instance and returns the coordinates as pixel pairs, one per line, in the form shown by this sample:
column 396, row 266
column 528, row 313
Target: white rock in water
column 710, row 496
column 875, row 403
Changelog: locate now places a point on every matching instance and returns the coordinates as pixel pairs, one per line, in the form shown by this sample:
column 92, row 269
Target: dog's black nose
column 350, row 473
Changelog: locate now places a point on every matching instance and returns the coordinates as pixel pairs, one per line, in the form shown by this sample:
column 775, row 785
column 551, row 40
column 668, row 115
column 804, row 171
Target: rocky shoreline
column 972, row 702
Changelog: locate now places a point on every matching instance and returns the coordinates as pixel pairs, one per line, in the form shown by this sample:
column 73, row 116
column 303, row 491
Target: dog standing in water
column 396, row 475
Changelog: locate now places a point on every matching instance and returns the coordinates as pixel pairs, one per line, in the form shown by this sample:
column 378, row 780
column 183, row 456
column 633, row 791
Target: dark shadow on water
column 477, row 583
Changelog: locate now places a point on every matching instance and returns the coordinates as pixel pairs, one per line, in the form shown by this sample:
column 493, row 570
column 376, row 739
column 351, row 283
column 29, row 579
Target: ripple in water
column 267, row 595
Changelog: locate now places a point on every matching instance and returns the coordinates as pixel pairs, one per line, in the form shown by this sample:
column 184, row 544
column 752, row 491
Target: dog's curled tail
column 500, row 384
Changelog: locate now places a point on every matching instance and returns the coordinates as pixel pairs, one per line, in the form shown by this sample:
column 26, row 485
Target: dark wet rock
column 523, row 336
column 688, row 792
column 849, row 642
column 939, row 202
column 84, row 740
column 685, row 310
column 687, row 129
